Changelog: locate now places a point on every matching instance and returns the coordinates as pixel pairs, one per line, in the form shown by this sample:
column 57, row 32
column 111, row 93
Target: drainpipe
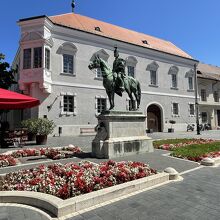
column 196, row 99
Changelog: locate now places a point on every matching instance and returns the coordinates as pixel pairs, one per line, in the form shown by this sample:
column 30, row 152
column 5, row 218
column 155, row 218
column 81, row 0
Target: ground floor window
column 175, row 108
column 68, row 103
column 191, row 109
column 101, row 104
column 204, row 117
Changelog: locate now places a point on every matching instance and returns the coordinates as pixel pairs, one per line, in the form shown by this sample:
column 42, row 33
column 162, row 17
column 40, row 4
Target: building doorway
column 154, row 118
column 218, row 118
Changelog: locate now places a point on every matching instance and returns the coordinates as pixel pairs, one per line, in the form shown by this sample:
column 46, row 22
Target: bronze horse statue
column 131, row 85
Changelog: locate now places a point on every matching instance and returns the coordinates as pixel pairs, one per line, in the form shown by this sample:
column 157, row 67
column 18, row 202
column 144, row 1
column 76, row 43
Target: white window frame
column 205, row 97
column 216, row 92
column 191, row 89
column 173, row 71
column 34, row 57
column 190, row 74
column 192, row 104
column 96, row 103
column 172, row 109
column 45, row 61
column 68, row 49
column 62, row 94
column 131, row 62
column 206, row 118
column 24, row 59
column 153, row 67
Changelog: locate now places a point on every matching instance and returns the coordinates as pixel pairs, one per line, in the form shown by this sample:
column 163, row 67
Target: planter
column 170, row 130
column 41, row 139
column 31, row 137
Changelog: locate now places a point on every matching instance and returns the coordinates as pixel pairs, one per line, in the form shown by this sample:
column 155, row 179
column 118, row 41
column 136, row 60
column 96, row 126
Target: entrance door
column 154, row 118
column 218, row 117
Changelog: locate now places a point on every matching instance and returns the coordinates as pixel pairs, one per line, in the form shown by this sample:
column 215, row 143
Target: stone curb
column 210, row 161
column 60, row 208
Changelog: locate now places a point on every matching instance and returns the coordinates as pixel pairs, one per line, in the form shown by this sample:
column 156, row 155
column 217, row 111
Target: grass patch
column 156, row 144
column 195, row 151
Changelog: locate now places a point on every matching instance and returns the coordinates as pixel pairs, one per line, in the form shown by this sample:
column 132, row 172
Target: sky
column 192, row 25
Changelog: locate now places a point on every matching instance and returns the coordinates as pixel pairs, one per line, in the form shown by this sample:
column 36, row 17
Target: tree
column 6, row 74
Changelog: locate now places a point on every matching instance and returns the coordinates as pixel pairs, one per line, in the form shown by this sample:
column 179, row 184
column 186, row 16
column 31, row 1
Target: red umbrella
column 13, row 100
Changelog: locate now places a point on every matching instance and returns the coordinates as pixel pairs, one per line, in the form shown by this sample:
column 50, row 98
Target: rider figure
column 119, row 69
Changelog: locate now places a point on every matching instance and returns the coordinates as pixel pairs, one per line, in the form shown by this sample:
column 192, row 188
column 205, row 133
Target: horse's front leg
column 111, row 101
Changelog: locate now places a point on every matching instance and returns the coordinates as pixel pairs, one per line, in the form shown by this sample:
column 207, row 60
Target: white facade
column 71, row 99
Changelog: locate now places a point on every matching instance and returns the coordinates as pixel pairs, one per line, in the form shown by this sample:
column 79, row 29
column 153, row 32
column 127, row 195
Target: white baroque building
column 53, row 59
column 208, row 90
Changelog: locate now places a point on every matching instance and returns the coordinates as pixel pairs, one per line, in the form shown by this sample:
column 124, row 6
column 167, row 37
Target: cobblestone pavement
column 21, row 212
column 194, row 198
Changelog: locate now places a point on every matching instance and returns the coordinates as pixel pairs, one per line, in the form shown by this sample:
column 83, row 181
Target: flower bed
column 52, row 153
column 196, row 152
column 172, row 146
column 69, row 180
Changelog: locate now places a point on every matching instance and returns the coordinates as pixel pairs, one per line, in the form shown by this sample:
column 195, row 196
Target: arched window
column 190, row 76
column 68, row 51
column 104, row 55
column 131, row 63
column 173, row 71
column 152, row 68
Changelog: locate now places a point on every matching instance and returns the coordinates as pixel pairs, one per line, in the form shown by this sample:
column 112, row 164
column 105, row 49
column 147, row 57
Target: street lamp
column 196, row 100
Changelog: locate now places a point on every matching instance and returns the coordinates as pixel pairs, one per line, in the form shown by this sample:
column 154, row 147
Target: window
column 101, row 104
column 175, row 109
column 27, row 58
column 153, row 68
column 191, row 109
column 204, row 117
column 98, row 73
column 190, row 82
column 68, row 103
column 130, row 71
column 153, row 77
column 38, row 57
column 68, row 63
column 174, row 80
column 203, row 95
column 47, row 59
column 216, row 96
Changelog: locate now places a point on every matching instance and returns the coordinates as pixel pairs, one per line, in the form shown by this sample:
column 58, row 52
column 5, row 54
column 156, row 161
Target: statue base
column 121, row 133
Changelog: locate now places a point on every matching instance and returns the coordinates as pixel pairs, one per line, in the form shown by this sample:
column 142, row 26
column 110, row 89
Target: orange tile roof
column 208, row 71
column 87, row 24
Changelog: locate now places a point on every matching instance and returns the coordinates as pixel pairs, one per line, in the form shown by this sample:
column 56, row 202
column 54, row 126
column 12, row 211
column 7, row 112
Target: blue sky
column 192, row 25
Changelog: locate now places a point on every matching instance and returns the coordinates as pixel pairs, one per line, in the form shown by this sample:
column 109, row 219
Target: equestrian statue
column 116, row 81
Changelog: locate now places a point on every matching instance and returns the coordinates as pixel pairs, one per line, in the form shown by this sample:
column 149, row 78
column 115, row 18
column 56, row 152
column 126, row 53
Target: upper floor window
column 174, row 81
column 216, row 96
column 101, row 104
column 152, row 68
column 173, row 71
column 38, row 57
column 98, row 73
column 27, row 58
column 203, row 95
column 190, row 83
column 175, row 109
column 131, row 63
column 68, row 63
column 47, row 58
column 153, row 77
column 130, row 71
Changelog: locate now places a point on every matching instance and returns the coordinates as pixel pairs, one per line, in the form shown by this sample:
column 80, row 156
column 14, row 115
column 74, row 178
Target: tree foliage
column 6, row 74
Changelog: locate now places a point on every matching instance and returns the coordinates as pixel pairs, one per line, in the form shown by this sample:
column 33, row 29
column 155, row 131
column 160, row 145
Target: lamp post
column 196, row 99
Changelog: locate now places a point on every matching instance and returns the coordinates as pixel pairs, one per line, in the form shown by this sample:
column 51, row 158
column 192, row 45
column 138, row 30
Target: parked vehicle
column 190, row 127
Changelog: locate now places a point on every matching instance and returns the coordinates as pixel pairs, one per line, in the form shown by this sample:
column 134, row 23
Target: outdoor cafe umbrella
column 12, row 100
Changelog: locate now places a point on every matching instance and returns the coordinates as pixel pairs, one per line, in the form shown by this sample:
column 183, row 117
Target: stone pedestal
column 121, row 134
